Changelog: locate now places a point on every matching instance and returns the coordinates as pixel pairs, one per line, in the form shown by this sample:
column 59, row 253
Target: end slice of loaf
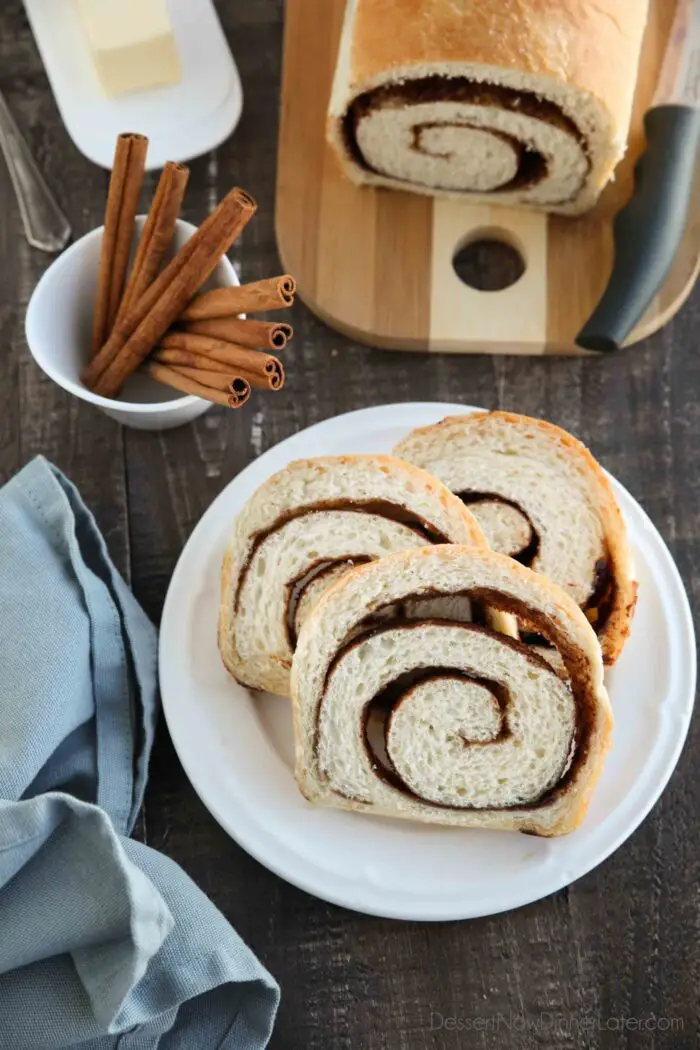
column 512, row 102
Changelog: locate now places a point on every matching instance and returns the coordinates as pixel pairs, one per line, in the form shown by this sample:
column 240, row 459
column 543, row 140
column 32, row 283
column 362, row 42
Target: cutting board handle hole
column 489, row 260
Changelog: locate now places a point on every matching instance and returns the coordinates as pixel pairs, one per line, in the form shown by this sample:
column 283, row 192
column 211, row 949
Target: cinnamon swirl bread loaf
column 541, row 498
column 443, row 721
column 304, row 528
column 515, row 101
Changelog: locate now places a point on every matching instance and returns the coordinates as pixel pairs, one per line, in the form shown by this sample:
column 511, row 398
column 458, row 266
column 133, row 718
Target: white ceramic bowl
column 58, row 325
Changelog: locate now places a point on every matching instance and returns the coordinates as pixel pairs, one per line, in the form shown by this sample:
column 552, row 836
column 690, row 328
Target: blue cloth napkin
column 104, row 943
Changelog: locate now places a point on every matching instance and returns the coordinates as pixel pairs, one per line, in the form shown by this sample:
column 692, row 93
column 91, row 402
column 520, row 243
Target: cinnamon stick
column 268, row 335
column 239, row 358
column 146, row 321
column 239, row 394
column 274, row 293
column 185, row 357
column 157, row 233
column 207, row 377
column 122, row 203
column 272, row 380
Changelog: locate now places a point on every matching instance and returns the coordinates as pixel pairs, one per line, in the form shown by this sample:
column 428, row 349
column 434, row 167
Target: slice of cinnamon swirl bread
column 444, row 721
column 541, row 498
column 303, row 529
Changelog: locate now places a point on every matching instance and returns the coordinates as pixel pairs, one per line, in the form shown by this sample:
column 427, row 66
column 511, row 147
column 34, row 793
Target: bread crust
column 571, row 41
column 617, row 628
column 582, row 54
column 567, row 811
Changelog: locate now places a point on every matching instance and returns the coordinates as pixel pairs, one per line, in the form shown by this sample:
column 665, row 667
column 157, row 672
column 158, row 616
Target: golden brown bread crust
column 619, row 622
column 573, row 41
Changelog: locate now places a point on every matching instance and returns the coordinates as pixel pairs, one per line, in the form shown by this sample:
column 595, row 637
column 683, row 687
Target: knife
column 648, row 231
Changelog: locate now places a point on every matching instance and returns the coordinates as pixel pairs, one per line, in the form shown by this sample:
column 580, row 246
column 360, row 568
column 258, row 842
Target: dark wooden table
column 623, row 942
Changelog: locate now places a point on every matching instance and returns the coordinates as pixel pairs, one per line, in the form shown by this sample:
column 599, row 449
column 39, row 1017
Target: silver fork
column 45, row 225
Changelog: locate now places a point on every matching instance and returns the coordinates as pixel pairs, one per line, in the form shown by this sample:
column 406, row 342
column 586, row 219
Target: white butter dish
column 182, row 120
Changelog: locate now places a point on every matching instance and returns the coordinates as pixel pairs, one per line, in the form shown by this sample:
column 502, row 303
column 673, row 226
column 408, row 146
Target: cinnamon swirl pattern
column 445, row 721
column 457, row 136
column 306, row 527
column 541, row 498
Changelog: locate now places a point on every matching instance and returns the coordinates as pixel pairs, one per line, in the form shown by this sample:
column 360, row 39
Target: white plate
column 181, row 121
column 237, row 747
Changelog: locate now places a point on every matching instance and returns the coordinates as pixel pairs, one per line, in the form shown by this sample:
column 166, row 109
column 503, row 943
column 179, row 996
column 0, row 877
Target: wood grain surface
column 378, row 265
column 612, row 963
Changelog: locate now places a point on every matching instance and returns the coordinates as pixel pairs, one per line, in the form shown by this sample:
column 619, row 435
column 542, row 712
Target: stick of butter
column 131, row 42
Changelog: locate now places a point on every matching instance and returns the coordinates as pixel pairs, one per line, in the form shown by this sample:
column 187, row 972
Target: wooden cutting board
column 378, row 265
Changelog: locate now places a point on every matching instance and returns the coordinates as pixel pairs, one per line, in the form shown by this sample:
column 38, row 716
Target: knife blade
column 648, row 231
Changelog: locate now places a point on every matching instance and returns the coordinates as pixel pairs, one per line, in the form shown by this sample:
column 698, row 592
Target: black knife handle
column 649, row 230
